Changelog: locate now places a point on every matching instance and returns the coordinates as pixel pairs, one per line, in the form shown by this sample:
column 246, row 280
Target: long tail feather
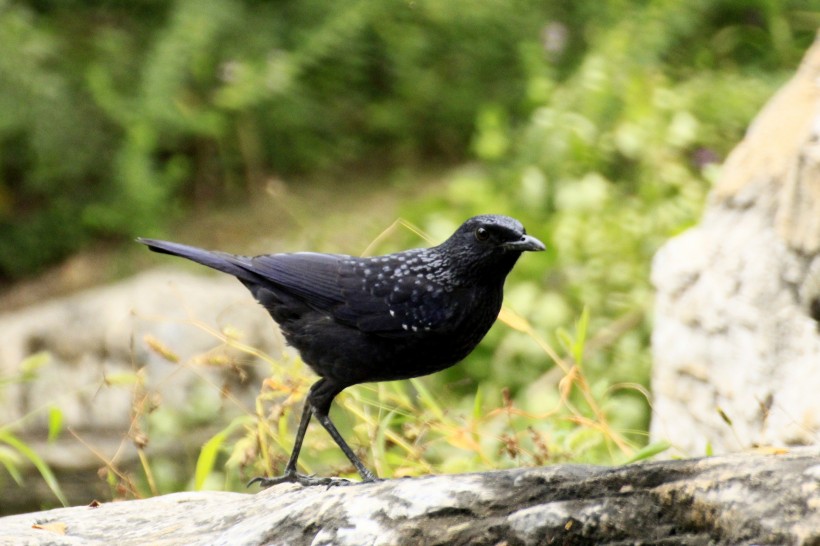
column 221, row 261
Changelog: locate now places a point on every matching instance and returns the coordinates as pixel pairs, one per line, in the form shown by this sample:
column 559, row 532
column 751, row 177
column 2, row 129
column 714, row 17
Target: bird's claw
column 301, row 479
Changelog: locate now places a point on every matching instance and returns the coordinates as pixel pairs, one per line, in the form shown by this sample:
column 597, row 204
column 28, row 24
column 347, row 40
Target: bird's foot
column 301, row 479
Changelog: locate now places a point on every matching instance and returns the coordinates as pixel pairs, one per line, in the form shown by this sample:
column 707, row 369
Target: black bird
column 356, row 320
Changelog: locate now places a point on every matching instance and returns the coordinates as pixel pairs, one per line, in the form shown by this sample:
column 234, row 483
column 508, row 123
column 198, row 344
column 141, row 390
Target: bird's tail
column 221, row 261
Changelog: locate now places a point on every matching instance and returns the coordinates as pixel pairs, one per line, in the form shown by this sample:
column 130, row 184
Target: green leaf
column 580, row 336
column 427, row 399
column 478, row 402
column 10, row 459
column 565, row 339
column 55, row 423
column 649, row 451
column 379, row 451
column 37, row 461
column 207, row 456
column 32, row 363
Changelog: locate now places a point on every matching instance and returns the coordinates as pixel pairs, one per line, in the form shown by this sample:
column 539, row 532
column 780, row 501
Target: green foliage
column 15, row 453
column 630, row 108
column 113, row 115
column 206, row 462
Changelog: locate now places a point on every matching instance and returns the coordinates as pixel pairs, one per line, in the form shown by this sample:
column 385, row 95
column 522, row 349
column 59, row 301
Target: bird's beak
column 525, row 243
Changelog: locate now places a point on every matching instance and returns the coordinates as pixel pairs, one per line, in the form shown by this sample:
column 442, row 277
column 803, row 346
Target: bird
column 380, row 318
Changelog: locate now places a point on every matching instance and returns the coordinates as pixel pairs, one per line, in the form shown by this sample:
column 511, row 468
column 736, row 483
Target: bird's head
column 491, row 240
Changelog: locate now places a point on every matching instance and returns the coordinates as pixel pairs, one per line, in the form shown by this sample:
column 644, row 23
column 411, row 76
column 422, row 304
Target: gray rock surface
column 736, row 339
column 735, row 499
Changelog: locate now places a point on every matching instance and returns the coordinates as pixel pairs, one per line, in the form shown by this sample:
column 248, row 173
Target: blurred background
column 368, row 127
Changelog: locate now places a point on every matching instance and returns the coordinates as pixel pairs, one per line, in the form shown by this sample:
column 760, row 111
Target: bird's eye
column 482, row 234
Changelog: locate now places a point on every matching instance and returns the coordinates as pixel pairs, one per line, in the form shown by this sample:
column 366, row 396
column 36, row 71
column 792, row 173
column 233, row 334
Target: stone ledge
column 735, row 499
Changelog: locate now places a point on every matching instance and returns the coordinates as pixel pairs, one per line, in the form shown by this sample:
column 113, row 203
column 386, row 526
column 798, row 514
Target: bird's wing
column 390, row 305
column 338, row 285
column 310, row 277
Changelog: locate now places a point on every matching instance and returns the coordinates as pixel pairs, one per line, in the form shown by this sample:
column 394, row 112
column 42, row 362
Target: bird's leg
column 290, row 475
column 321, row 396
column 307, row 411
column 366, row 475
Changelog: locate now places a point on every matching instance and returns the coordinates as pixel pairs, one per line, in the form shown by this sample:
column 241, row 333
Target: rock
column 735, row 499
column 736, row 339
column 94, row 337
